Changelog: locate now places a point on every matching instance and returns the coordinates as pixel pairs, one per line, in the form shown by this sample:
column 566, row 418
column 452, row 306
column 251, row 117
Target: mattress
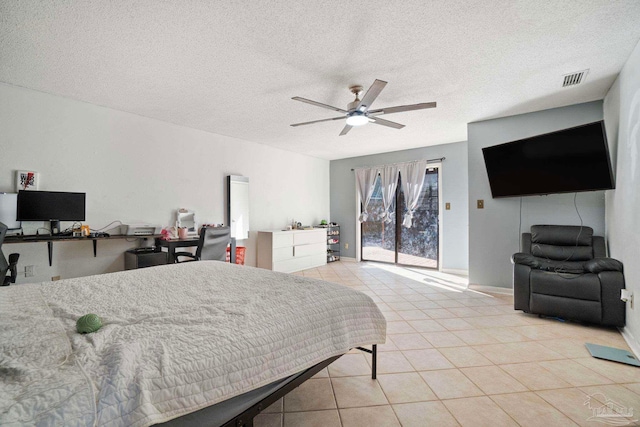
column 176, row 339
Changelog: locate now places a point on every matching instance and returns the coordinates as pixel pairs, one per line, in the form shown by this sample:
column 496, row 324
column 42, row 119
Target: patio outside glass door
column 392, row 242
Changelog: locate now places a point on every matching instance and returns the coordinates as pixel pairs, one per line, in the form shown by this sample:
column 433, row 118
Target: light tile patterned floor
column 459, row 357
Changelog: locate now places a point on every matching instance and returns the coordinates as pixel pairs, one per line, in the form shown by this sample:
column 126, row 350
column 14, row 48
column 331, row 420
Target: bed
column 177, row 340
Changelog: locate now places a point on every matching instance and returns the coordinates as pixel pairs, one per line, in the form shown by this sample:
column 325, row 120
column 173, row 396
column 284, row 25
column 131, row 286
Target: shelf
column 333, row 258
column 333, row 241
column 51, row 239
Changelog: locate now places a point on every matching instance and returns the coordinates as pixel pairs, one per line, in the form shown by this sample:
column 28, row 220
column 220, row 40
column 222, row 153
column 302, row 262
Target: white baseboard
column 455, row 271
column 631, row 341
column 491, row 289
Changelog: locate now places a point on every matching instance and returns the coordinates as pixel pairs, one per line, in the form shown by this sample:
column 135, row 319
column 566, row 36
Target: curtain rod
column 439, row 159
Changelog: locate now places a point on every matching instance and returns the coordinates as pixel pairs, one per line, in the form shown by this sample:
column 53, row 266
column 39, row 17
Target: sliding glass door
column 378, row 238
column 419, row 244
column 394, row 243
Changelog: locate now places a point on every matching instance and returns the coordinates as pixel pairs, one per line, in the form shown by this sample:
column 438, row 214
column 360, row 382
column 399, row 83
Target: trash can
column 240, row 251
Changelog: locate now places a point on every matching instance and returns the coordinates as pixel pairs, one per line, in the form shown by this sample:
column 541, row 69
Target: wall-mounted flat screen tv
column 50, row 205
column 567, row 161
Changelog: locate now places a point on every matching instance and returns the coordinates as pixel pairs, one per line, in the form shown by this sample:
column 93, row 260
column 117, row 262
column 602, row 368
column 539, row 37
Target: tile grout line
column 335, row 398
column 556, row 407
column 381, row 283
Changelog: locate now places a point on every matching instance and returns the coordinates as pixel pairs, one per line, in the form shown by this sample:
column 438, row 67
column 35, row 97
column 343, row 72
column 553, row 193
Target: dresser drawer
column 282, row 240
column 294, row 264
column 313, row 249
column 280, row 254
column 289, row 251
column 309, row 237
column 318, row 260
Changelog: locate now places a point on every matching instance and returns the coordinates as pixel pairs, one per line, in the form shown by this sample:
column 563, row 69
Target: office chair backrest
column 4, row 265
column 213, row 243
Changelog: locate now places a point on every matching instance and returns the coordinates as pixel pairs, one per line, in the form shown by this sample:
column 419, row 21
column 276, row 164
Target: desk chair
column 5, row 267
column 212, row 246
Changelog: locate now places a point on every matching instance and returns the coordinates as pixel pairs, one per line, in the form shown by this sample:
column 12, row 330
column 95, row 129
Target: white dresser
column 295, row 250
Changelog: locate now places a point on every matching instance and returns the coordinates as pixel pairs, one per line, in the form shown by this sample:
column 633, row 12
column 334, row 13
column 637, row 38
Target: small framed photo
column 26, row 180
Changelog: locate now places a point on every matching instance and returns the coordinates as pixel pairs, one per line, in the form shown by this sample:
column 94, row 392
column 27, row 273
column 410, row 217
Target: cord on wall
column 520, row 228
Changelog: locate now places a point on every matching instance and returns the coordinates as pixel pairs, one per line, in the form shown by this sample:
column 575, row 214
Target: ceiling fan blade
column 319, row 104
column 401, row 108
column 345, row 130
column 388, row 123
column 318, row 121
column 371, row 95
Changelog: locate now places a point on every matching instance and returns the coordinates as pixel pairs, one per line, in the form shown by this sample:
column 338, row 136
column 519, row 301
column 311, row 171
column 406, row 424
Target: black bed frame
column 245, row 419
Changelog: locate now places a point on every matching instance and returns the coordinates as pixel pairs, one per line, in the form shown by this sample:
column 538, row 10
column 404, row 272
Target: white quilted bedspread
column 175, row 339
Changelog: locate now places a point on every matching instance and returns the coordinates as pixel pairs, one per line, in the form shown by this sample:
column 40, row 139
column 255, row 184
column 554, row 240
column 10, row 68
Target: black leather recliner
column 563, row 271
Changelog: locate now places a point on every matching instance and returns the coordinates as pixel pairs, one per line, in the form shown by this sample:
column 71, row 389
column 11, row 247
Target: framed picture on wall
column 26, row 180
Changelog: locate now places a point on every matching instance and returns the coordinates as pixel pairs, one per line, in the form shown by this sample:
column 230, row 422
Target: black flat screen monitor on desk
column 53, row 206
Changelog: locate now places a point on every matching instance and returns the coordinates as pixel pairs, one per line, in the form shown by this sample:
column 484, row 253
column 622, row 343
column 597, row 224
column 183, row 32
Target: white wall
column 622, row 112
column 137, row 169
column 454, row 190
column 494, row 231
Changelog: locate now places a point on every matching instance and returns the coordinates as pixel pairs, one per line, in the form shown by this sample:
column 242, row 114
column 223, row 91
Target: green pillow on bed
column 88, row 323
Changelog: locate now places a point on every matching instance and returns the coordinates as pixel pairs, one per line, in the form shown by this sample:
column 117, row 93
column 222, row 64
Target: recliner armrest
column 553, row 266
column 525, row 259
column 598, row 265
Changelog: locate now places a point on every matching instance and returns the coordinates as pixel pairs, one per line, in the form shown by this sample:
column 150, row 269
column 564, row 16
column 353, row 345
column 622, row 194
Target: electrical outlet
column 29, row 270
column 54, row 278
column 346, row 246
column 480, row 204
column 627, row 296
column 447, row 206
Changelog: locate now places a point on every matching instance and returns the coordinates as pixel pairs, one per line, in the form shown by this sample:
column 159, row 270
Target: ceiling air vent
column 574, row 78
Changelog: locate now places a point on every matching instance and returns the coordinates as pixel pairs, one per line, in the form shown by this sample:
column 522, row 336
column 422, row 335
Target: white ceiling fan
column 358, row 112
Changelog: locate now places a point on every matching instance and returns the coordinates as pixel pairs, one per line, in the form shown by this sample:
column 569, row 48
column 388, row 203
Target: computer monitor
column 53, row 206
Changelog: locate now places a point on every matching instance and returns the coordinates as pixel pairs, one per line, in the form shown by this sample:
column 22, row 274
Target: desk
column 50, row 239
column 189, row 242
column 172, row 244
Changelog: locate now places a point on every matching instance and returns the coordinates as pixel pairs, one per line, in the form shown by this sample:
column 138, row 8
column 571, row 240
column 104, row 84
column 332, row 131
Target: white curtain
column 389, row 183
column 412, row 182
column 365, row 180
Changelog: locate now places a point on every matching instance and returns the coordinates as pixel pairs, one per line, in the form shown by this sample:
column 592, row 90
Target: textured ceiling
column 231, row 67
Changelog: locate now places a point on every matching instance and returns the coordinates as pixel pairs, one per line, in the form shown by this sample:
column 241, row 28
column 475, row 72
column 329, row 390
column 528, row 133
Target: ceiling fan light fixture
column 358, row 113
column 357, row 119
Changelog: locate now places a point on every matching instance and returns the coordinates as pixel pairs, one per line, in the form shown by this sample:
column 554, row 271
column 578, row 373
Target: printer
column 141, row 229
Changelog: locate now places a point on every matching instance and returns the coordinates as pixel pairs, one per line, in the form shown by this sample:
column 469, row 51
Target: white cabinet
column 289, row 251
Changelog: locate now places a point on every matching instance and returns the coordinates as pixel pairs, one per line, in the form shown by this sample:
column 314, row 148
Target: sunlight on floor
column 433, row 278
column 457, row 357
